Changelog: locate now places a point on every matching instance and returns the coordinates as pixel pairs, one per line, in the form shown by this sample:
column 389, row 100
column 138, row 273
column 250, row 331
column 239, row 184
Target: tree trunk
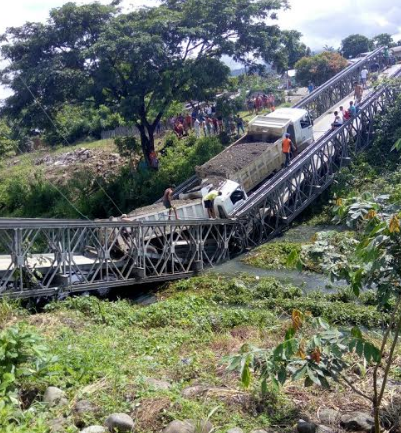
column 147, row 140
column 376, row 411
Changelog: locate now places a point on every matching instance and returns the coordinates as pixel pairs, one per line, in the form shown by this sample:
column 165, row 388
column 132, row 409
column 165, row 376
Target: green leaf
column 300, row 373
column 359, row 348
column 308, row 381
column 264, row 387
column 313, row 377
column 290, row 334
column 282, row 375
column 397, row 145
column 293, row 259
column 246, row 375
column 356, row 332
column 371, row 352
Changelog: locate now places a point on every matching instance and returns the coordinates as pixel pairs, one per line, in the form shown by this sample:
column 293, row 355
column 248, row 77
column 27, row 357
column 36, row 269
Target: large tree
column 319, row 68
column 354, row 45
column 294, row 47
column 383, row 40
column 135, row 63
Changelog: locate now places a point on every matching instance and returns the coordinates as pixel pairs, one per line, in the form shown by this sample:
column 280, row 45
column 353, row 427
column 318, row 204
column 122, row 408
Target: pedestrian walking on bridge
column 358, row 92
column 364, row 77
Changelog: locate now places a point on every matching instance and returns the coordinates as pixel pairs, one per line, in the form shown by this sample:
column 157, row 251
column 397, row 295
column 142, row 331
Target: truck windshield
column 237, row 196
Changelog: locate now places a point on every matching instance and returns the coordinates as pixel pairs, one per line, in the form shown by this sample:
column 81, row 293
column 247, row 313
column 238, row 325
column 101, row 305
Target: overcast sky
column 321, row 21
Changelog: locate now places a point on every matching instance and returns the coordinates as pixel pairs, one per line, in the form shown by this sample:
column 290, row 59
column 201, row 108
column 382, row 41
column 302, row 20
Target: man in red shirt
column 286, row 146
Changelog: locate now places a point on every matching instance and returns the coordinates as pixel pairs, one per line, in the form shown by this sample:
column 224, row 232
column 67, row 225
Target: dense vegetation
column 96, row 197
column 105, row 352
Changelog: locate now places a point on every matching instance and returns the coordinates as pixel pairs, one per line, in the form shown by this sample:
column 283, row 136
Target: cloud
column 321, row 22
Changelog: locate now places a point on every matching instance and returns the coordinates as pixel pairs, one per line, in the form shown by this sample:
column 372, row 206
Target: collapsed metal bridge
column 46, row 257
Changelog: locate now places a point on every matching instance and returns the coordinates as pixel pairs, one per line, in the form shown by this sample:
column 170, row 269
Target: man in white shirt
column 364, row 77
column 197, row 128
column 338, row 121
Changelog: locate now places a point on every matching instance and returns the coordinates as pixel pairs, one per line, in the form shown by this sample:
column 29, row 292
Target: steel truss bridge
column 47, row 257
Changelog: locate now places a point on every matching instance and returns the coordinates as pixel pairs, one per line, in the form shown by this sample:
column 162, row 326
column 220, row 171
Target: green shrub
column 22, row 354
column 273, row 255
column 7, row 144
column 80, row 122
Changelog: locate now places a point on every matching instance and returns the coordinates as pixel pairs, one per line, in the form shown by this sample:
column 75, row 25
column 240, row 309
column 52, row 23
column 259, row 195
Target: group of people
column 261, row 102
column 214, row 125
column 208, row 202
column 206, row 122
column 342, row 115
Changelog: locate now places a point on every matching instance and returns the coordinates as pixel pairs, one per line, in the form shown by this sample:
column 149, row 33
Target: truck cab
column 271, row 127
column 232, row 196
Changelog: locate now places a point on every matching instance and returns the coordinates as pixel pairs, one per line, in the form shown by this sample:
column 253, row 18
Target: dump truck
column 190, row 205
column 239, row 168
column 258, row 154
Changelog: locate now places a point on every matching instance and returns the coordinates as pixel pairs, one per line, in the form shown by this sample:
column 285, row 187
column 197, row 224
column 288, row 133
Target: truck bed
column 232, row 159
column 186, row 209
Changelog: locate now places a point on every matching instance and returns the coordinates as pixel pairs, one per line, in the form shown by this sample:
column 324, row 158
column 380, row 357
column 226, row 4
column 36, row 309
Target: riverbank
column 167, row 361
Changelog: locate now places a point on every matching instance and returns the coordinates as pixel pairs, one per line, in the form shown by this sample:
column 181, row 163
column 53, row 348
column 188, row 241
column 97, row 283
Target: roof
column 286, row 114
column 291, row 73
column 396, row 49
column 276, row 122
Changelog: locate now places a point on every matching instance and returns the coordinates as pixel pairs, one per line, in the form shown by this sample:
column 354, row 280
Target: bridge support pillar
column 62, row 280
column 197, row 266
column 139, row 273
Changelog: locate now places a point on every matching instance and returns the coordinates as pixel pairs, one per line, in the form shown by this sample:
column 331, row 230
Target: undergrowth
column 104, row 352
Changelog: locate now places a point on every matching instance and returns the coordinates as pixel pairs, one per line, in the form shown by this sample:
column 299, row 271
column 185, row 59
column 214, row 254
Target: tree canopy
column 136, row 63
column 383, row 40
column 354, row 45
column 320, row 68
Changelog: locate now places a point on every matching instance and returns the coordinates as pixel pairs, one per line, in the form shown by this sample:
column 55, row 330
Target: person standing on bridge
column 287, row 147
column 358, row 92
column 342, row 113
column 352, row 109
column 209, row 203
column 197, row 127
column 167, row 198
column 364, row 76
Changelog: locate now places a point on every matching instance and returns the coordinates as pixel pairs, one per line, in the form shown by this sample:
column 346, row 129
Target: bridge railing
column 47, row 257
column 277, row 202
column 341, row 85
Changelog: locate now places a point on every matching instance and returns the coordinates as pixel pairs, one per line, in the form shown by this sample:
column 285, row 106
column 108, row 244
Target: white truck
column 239, row 168
column 258, row 154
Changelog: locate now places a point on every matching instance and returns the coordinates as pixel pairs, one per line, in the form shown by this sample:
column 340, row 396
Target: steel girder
column 45, row 257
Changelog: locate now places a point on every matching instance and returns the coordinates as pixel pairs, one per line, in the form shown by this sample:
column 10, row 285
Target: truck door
column 306, row 128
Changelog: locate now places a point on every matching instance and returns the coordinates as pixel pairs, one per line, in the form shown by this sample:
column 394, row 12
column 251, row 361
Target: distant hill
column 236, row 72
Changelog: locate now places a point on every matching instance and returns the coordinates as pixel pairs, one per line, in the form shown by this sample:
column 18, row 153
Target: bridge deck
column 323, row 123
column 43, row 261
